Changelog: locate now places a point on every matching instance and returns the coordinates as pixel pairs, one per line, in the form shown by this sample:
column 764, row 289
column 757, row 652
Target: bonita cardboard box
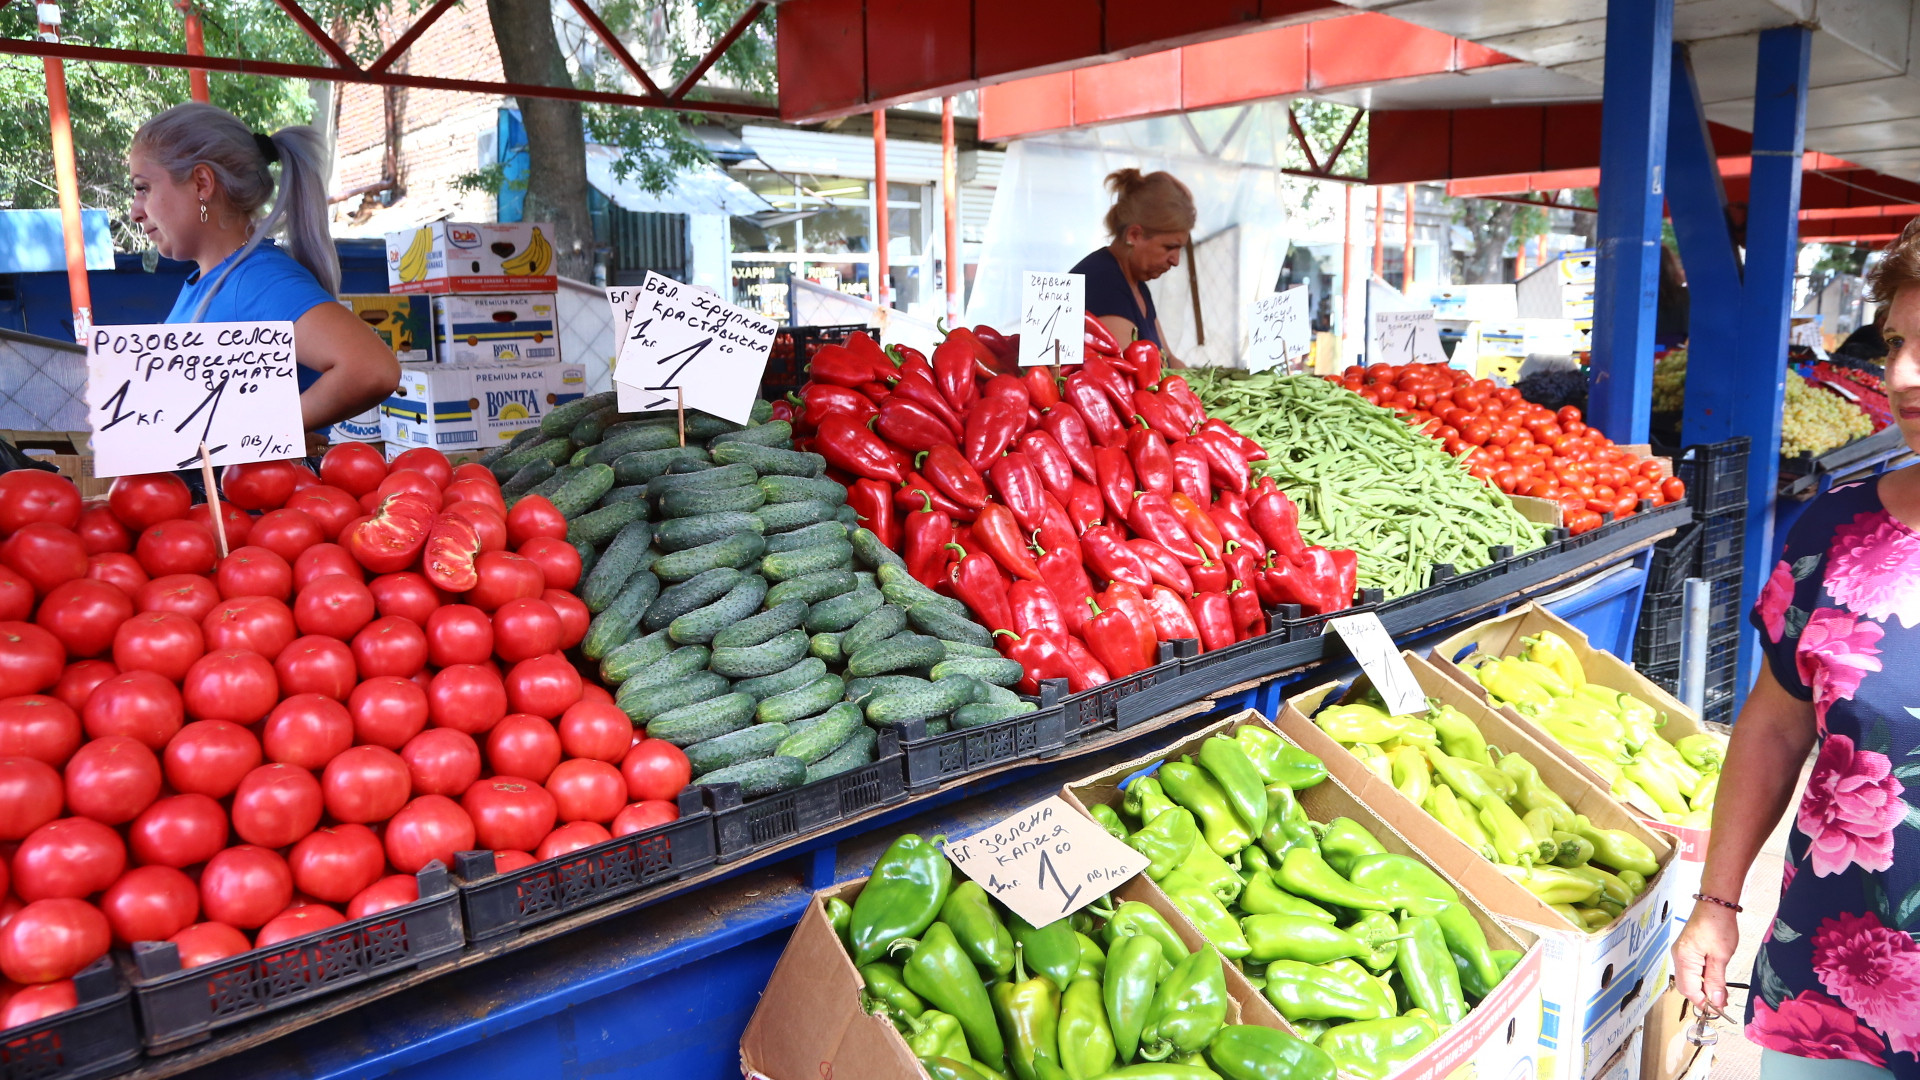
column 400, row 321
column 472, row 257
column 515, row 328
column 473, row 407
column 364, row 428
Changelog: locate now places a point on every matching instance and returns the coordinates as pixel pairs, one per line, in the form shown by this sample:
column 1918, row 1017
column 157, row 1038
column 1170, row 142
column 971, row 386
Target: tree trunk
column 556, row 135
column 1491, row 224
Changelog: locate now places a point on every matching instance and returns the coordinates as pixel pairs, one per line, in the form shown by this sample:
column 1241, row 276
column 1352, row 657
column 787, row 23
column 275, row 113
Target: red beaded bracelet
column 1728, row 904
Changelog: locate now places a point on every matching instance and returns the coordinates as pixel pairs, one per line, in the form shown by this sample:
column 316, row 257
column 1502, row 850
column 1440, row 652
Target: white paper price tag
column 1053, row 315
column 1045, row 862
column 156, row 392
column 1405, row 337
column 1282, row 331
column 683, row 340
column 1367, row 639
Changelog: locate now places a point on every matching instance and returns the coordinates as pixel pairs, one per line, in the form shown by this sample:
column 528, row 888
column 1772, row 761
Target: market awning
column 704, row 190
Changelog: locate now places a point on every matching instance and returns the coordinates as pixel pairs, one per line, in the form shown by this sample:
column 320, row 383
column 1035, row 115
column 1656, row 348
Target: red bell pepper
column 1172, row 618
column 919, row 389
column 1198, row 525
column 1114, row 640
column 1346, row 564
column 872, row 501
column 1143, row 357
column 1322, row 578
column 978, row 583
column 1276, row 519
column 992, row 425
column 1154, row 518
column 1043, row 452
column 1234, row 501
column 876, row 392
column 1003, row 349
column 1152, row 463
column 855, row 448
column 910, row 426
column 819, row 400
column 1069, row 429
column 1148, row 408
column 1097, row 337
column 1243, row 604
column 869, row 351
column 1042, row 655
column 1033, row 419
column 986, row 363
column 915, row 493
column 1109, row 556
column 928, row 532
column 1084, row 505
column 1162, row 567
column 841, row 366
column 1043, row 387
column 1035, row 608
column 954, row 476
column 1180, row 397
column 1117, row 483
column 1289, row 581
column 1133, row 601
column 953, row 372
column 998, row 534
column 1214, row 614
column 1114, row 383
column 1229, row 465
column 1020, row 489
column 909, row 359
column 1066, row 578
column 1235, row 529
column 1242, row 565
column 1191, row 473
column 1249, row 449
column 1056, row 529
column 1086, row 671
column 1103, row 426
column 1210, row 576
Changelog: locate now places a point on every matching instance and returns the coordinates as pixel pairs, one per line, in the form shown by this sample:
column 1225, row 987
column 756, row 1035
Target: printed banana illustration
column 413, row 265
column 535, row 260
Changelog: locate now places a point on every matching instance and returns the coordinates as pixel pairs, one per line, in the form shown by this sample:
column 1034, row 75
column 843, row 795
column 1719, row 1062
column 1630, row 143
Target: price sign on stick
column 1405, row 337
column 682, row 340
column 1045, row 862
column 1282, row 332
column 1053, row 313
column 1367, row 639
column 157, row 393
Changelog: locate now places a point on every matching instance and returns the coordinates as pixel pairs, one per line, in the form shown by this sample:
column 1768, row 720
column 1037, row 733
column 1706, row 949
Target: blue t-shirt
column 269, row 286
column 1108, row 294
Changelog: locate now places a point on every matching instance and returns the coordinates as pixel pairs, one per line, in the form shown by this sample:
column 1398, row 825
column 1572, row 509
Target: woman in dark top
column 1150, row 221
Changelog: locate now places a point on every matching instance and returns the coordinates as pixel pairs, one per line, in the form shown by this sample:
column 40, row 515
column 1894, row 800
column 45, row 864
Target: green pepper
column 1426, row 970
column 1133, row 973
column 1290, row 937
column 1213, row 872
column 970, row 914
column 1611, row 888
column 1304, row 873
column 1503, row 786
column 1310, row 1029
column 1145, row 799
column 1134, row 918
column 935, row 1034
column 1634, row 882
column 1263, row 897
column 1358, row 722
column 1459, row 736
column 1343, row 840
column 909, row 884
column 938, row 970
column 1162, row 1070
column 1380, row 986
column 1377, row 931
column 1470, row 982
column 946, row 1068
column 1246, row 1052
column 1532, row 793
column 1279, row 762
column 839, row 913
column 1189, row 1007
column 1375, row 1049
column 1305, row 992
column 1512, row 840
column 1226, row 762
column 1086, row 1039
column 1287, row 824
column 1612, row 847
column 1166, row 840
column 1208, row 915
column 1505, row 680
column 1190, row 786
column 1029, row 1013
column 1412, row 776
column 1053, row 949
column 886, row 987
column 1104, row 816
column 1574, row 850
column 1254, row 860
column 1454, row 773
column 1458, row 818
column 1093, row 961
column 1413, row 886
column 1553, row 885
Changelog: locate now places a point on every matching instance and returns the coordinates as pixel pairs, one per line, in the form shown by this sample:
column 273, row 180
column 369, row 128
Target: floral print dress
column 1838, row 975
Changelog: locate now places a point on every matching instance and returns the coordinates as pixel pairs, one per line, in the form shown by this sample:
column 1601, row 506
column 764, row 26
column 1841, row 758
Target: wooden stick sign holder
column 213, row 500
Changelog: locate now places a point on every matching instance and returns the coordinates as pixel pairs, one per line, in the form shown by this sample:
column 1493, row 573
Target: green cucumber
column 762, row 627
column 747, row 744
column 687, row 502
column 827, row 648
column 626, row 553
column 702, row 623
column 864, row 579
column 587, row 432
column 703, row 480
column 551, row 484
column 960, row 650
column 579, row 458
column 782, row 517
column 997, row 671
column 562, row 419
column 579, row 493
column 552, row 449
column 589, row 556
column 690, row 466
column 844, row 611
column 525, row 436
column 900, row 652
column 939, row 622
column 621, row 493
column 787, row 565
column 679, row 534
column 596, row 527
column 812, row 588
column 616, row 624
column 784, row 489
column 739, row 551
column 940, row 699
column 823, row 736
column 664, row 698
column 805, row 701
column 701, row 426
column 780, row 682
column 643, row 465
column 527, row 478
column 848, row 516
column 872, row 553
column 702, row 720
column 758, row 779
column 629, row 659
column 900, row 587
column 875, row 685
column 858, row 750
column 999, row 695
column 768, row 460
column 988, row 712
column 877, row 626
column 690, row 595
column 665, row 671
column 780, row 652
column 826, row 532
column 633, row 441
column 774, row 433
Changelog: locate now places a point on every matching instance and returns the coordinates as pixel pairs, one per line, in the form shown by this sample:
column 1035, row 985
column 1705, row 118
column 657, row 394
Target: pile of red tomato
column 226, row 753
column 1518, row 446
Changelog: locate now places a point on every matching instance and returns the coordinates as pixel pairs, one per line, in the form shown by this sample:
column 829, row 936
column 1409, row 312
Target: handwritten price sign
column 1282, row 333
column 1046, row 862
column 683, row 340
column 1373, row 648
column 1053, row 314
column 155, row 393
column 1405, row 337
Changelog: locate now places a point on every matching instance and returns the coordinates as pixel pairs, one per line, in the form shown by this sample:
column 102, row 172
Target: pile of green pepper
column 1501, row 808
column 980, row 994
column 1368, row 953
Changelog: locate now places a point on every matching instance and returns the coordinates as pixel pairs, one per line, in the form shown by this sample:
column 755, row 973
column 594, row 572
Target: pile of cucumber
column 739, row 608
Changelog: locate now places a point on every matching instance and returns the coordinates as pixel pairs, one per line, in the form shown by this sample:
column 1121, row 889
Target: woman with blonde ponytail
column 201, row 181
column 1150, row 221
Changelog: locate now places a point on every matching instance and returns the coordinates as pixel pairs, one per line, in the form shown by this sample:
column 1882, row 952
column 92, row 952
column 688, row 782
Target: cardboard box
column 1595, row 987
column 472, row 257
column 1666, row 1054
column 512, row 329
column 473, row 407
column 1498, row 1036
column 67, row 452
column 401, row 322
column 364, row 428
column 1625, row 1062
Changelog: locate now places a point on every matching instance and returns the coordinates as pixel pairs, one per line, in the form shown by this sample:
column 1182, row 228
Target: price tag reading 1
column 1053, row 315
column 1405, row 337
column 155, row 393
column 1046, row 862
column 684, row 341
column 1367, row 639
column 1282, row 333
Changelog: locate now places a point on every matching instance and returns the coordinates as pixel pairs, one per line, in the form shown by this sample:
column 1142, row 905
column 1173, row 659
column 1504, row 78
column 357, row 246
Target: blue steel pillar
column 1633, row 144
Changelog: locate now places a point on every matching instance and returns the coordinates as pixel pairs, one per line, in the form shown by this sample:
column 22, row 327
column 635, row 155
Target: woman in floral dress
column 1836, row 985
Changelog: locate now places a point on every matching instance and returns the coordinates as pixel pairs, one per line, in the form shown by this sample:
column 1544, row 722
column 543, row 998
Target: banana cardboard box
column 470, row 257
column 399, row 321
column 518, row 328
column 474, row 407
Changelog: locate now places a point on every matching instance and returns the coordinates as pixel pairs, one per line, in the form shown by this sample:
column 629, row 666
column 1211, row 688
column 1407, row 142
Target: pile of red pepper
column 1018, row 492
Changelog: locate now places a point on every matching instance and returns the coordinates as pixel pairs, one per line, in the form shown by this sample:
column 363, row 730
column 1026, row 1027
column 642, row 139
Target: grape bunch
column 1670, row 381
column 1817, row 420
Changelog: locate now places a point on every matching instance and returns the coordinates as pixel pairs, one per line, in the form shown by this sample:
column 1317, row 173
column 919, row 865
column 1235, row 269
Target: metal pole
column 882, row 285
column 950, row 180
column 1696, row 596
column 1379, row 232
column 1406, row 259
column 66, row 176
column 196, row 46
column 1346, row 255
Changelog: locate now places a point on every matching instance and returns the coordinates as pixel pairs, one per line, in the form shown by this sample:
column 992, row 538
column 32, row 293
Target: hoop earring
column 203, row 211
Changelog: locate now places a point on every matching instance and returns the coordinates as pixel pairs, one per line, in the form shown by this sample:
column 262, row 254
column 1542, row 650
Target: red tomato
column 406, row 595
column 50, row 940
column 150, row 903
column 320, row 560
column 211, row 757
column 390, row 646
column 148, row 499
column 167, row 643
column 286, row 533
column 230, row 685
column 254, row 571
column 258, row 485
column 307, row 731
column 31, row 794
column 111, row 779
column 354, row 468
column 573, row 614
column 473, row 489
column 336, row 862
column 475, row 470
column 244, row 886
column 138, row 704
column 448, row 558
column 38, row 727
column 390, row 539
column 406, row 480
column 301, row 921
column 392, row 891
column 524, row 628
column 543, row 686
column 178, row 831
column 69, row 857
column 177, row 547
column 366, row 784
column 16, row 594
column 45, row 554
column 316, row 664
column 466, row 697
column 33, row 495
column 118, row 569
column 1673, row 489
column 655, row 770
column 504, row 576
column 258, row 624
column 79, row 679
column 329, row 507
column 508, row 860
column 441, row 761
column 37, row 1002
column 431, row 827
column 558, row 560
column 459, row 634
column 570, row 838
column 522, row 745
column 187, row 594
column 209, row 942
column 427, row 460
column 587, row 790
column 595, row 692
column 276, row 805
column 641, row 816
column 237, row 522
column 593, row 730
column 31, row 659
column 337, row 606
column 509, row 812
column 84, row 614
column 387, row 711
column 534, row 515
column 100, row 532
column 487, row 523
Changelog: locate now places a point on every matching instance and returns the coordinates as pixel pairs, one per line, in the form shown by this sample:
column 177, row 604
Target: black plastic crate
column 1675, row 559
column 1723, row 544
column 1288, row 622
column 179, row 1007
column 1717, row 706
column 742, row 828
column 1723, row 608
column 96, row 1037
column 495, row 904
column 932, row 760
column 1666, row 674
column 1097, row 709
column 1663, row 615
column 1555, row 540
column 793, row 348
column 1715, row 474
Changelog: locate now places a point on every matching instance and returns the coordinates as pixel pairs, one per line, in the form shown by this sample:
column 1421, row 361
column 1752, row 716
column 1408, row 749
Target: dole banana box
column 517, row 328
column 460, row 407
column 399, row 321
column 472, row 257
